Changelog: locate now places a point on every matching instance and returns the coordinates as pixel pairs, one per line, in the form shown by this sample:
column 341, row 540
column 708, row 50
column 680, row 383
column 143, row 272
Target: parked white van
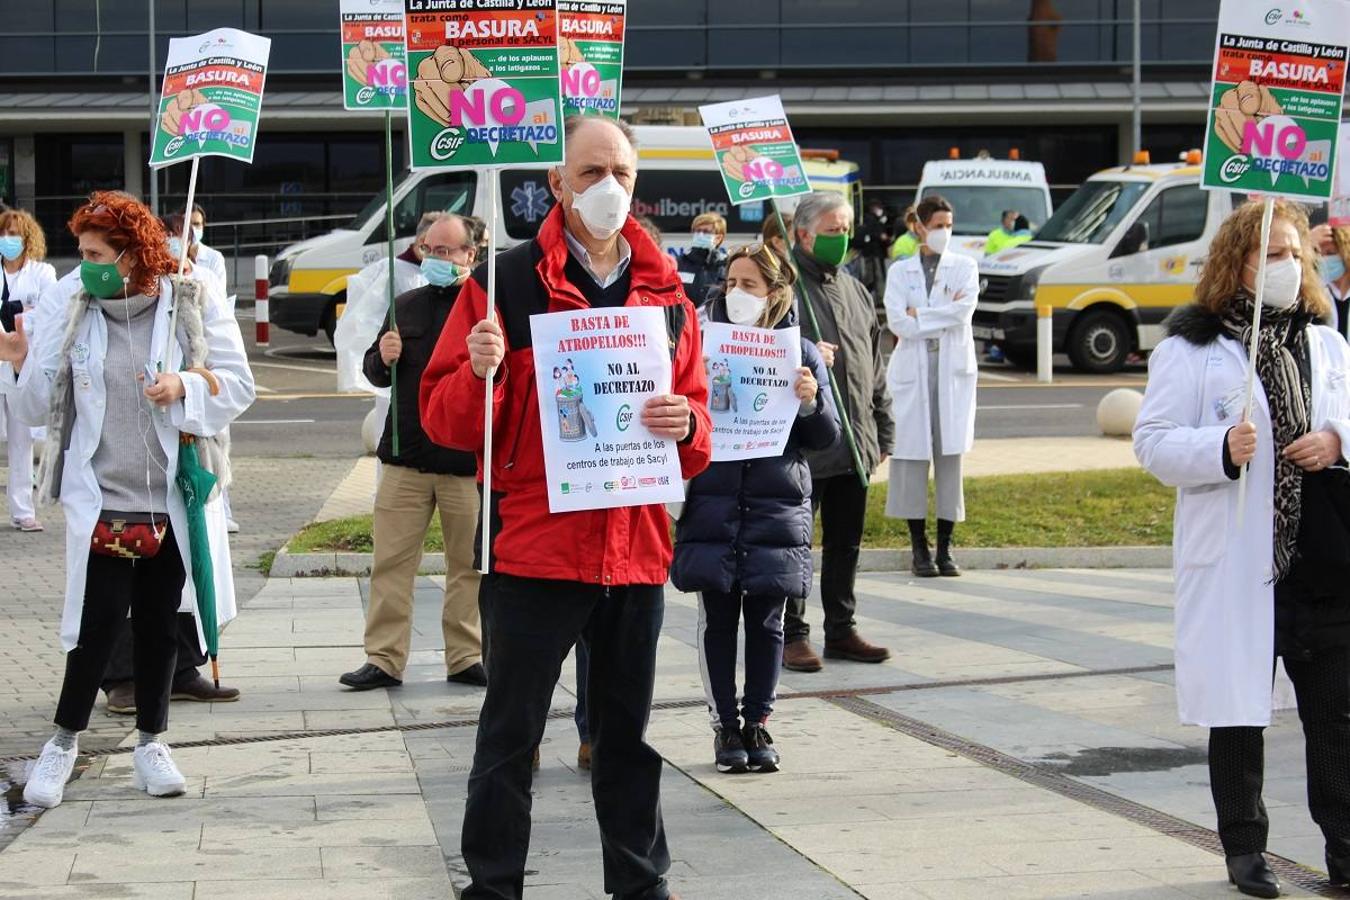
column 979, row 191
column 1120, row 254
column 678, row 180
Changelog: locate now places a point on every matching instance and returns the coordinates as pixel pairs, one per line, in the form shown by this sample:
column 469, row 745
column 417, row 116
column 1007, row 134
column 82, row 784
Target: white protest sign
column 752, row 384
column 595, row 369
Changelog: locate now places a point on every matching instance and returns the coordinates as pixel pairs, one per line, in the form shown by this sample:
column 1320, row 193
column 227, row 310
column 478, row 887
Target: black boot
column 946, row 565
column 923, row 558
column 1338, row 871
column 1252, row 875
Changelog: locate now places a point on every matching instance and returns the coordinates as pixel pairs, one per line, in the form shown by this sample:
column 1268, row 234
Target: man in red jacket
column 554, row 578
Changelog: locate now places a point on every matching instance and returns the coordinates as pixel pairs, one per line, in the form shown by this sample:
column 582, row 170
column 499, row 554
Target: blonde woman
column 1265, row 585
column 23, row 247
column 703, row 267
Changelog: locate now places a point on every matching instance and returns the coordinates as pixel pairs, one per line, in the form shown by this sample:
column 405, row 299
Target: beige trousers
column 404, row 503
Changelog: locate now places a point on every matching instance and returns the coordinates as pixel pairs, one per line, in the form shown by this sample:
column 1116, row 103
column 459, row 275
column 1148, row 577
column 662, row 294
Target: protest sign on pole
column 755, row 149
column 1340, row 195
column 595, row 369
column 486, row 93
column 374, row 71
column 591, row 41
column 1275, row 102
column 375, row 77
column 485, row 84
column 752, row 388
column 212, row 97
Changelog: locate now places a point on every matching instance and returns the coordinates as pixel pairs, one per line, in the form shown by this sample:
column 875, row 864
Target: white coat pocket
column 1202, row 525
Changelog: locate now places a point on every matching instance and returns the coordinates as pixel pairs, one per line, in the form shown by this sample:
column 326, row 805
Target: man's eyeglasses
column 441, row 251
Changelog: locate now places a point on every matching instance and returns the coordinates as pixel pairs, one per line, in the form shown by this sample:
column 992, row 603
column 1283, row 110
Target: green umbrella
column 196, row 483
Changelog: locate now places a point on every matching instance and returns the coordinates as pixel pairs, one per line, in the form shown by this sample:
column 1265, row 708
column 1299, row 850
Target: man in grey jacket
column 839, row 313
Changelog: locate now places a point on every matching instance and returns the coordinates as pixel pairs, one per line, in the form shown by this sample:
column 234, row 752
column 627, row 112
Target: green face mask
column 101, row 280
column 830, row 249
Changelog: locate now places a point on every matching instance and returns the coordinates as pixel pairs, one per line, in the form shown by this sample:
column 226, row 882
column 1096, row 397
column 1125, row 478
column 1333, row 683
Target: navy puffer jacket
column 746, row 526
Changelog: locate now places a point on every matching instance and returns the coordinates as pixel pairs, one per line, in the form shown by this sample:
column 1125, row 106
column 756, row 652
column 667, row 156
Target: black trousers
column 151, row 589
column 842, row 503
column 121, row 663
column 719, row 620
column 529, row 627
column 1237, row 760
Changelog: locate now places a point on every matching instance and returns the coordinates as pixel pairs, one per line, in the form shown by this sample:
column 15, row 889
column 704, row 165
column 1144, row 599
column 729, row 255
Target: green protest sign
column 1275, row 104
column 212, row 97
column 485, row 84
column 755, row 149
column 591, row 36
column 374, row 72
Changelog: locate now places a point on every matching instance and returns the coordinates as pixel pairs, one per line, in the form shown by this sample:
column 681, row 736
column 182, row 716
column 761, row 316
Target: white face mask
column 1283, row 281
column 603, row 207
column 938, row 239
column 744, row 308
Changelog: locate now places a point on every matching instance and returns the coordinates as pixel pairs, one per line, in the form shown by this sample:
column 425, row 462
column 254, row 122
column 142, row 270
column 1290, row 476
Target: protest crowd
column 592, row 418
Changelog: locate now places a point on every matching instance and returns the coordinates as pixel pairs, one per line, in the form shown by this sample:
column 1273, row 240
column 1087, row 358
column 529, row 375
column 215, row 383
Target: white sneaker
column 231, row 526
column 153, row 771
column 47, row 782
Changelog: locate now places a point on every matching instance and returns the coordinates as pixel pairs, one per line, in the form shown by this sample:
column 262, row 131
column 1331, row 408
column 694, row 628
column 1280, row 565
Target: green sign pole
column 389, row 235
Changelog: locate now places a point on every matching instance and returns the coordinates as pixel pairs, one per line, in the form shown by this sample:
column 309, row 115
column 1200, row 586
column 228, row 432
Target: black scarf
column 1283, row 343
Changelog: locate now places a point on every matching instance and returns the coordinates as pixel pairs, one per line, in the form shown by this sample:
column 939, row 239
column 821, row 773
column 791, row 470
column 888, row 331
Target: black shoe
column 923, row 562
column 730, row 750
column 1338, row 871
column 1252, row 875
column 369, row 677
column 946, row 565
column 475, row 675
column 759, row 747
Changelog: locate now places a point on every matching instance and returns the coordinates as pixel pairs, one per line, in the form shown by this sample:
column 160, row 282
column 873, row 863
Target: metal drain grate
column 1047, row 779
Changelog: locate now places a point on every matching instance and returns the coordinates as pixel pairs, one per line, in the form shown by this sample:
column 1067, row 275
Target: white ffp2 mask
column 938, row 239
column 1283, row 281
column 744, row 308
column 603, row 207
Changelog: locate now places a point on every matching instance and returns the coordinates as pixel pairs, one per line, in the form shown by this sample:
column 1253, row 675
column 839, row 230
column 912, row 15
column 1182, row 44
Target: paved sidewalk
column 1021, row 742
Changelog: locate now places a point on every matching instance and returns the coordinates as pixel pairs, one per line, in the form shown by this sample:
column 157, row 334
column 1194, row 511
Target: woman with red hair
column 117, row 395
column 23, row 247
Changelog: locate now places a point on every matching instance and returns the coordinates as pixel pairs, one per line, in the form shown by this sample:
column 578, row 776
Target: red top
column 608, row 546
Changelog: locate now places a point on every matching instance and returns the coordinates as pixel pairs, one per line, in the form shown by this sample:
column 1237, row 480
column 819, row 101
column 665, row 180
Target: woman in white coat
column 930, row 300
column 23, row 247
column 1249, row 590
column 111, row 457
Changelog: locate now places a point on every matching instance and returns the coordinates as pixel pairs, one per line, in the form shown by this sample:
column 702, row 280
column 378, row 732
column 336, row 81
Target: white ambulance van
column 980, row 190
column 677, row 180
column 1116, row 257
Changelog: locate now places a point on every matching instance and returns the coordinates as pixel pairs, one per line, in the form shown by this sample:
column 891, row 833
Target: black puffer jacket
column 702, row 272
column 746, row 526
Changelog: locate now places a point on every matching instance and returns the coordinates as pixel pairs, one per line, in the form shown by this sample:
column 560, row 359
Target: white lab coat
column 944, row 315
column 1225, row 619
column 366, row 312
column 27, row 286
column 197, row 413
column 213, row 261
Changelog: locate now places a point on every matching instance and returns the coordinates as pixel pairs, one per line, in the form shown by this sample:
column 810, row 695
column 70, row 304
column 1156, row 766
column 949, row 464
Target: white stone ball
column 372, row 426
column 1118, row 411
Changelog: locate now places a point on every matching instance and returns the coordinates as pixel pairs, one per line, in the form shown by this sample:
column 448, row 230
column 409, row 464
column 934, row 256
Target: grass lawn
column 1115, row 507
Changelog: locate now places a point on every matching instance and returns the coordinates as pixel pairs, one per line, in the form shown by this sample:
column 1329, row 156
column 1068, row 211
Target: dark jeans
column 719, row 620
column 1237, row 760
column 151, row 589
column 190, row 654
column 842, row 503
column 530, row 626
column 583, row 673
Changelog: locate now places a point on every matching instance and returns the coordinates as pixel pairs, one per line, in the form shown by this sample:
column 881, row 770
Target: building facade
column 889, row 83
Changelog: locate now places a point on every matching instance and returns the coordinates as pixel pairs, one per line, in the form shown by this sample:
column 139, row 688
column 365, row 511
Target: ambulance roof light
column 954, row 153
column 1141, row 158
column 827, row 155
column 1014, row 153
column 1192, row 157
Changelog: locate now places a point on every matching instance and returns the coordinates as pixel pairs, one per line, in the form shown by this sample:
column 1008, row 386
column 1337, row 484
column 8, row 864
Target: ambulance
column 980, row 189
column 1119, row 255
column 678, row 180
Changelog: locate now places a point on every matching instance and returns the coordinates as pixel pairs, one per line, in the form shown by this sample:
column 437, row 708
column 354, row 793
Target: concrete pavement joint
column 1039, row 776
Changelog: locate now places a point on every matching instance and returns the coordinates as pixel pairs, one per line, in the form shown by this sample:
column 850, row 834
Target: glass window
column 437, row 192
column 979, row 210
column 1176, row 216
column 1092, row 212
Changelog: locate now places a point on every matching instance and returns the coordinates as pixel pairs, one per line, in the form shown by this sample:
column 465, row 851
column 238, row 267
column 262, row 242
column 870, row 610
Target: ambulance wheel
column 1099, row 342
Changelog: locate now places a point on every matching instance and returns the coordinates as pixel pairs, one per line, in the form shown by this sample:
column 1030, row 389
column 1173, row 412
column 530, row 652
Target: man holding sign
column 600, row 571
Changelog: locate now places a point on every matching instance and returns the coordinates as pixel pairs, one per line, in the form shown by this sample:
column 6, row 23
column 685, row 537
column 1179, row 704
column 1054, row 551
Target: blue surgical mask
column 176, row 248
column 196, row 234
column 11, row 247
column 443, row 273
column 703, row 240
column 1333, row 267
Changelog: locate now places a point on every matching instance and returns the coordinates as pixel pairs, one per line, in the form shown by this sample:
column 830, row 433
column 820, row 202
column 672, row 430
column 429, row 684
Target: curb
column 357, row 565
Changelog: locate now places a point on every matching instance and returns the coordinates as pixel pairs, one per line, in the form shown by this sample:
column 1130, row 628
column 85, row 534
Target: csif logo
column 761, row 401
column 1273, row 17
column 1233, row 168
column 624, row 419
column 446, row 143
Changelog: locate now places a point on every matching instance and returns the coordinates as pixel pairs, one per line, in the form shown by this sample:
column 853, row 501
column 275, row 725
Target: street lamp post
column 1136, row 119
